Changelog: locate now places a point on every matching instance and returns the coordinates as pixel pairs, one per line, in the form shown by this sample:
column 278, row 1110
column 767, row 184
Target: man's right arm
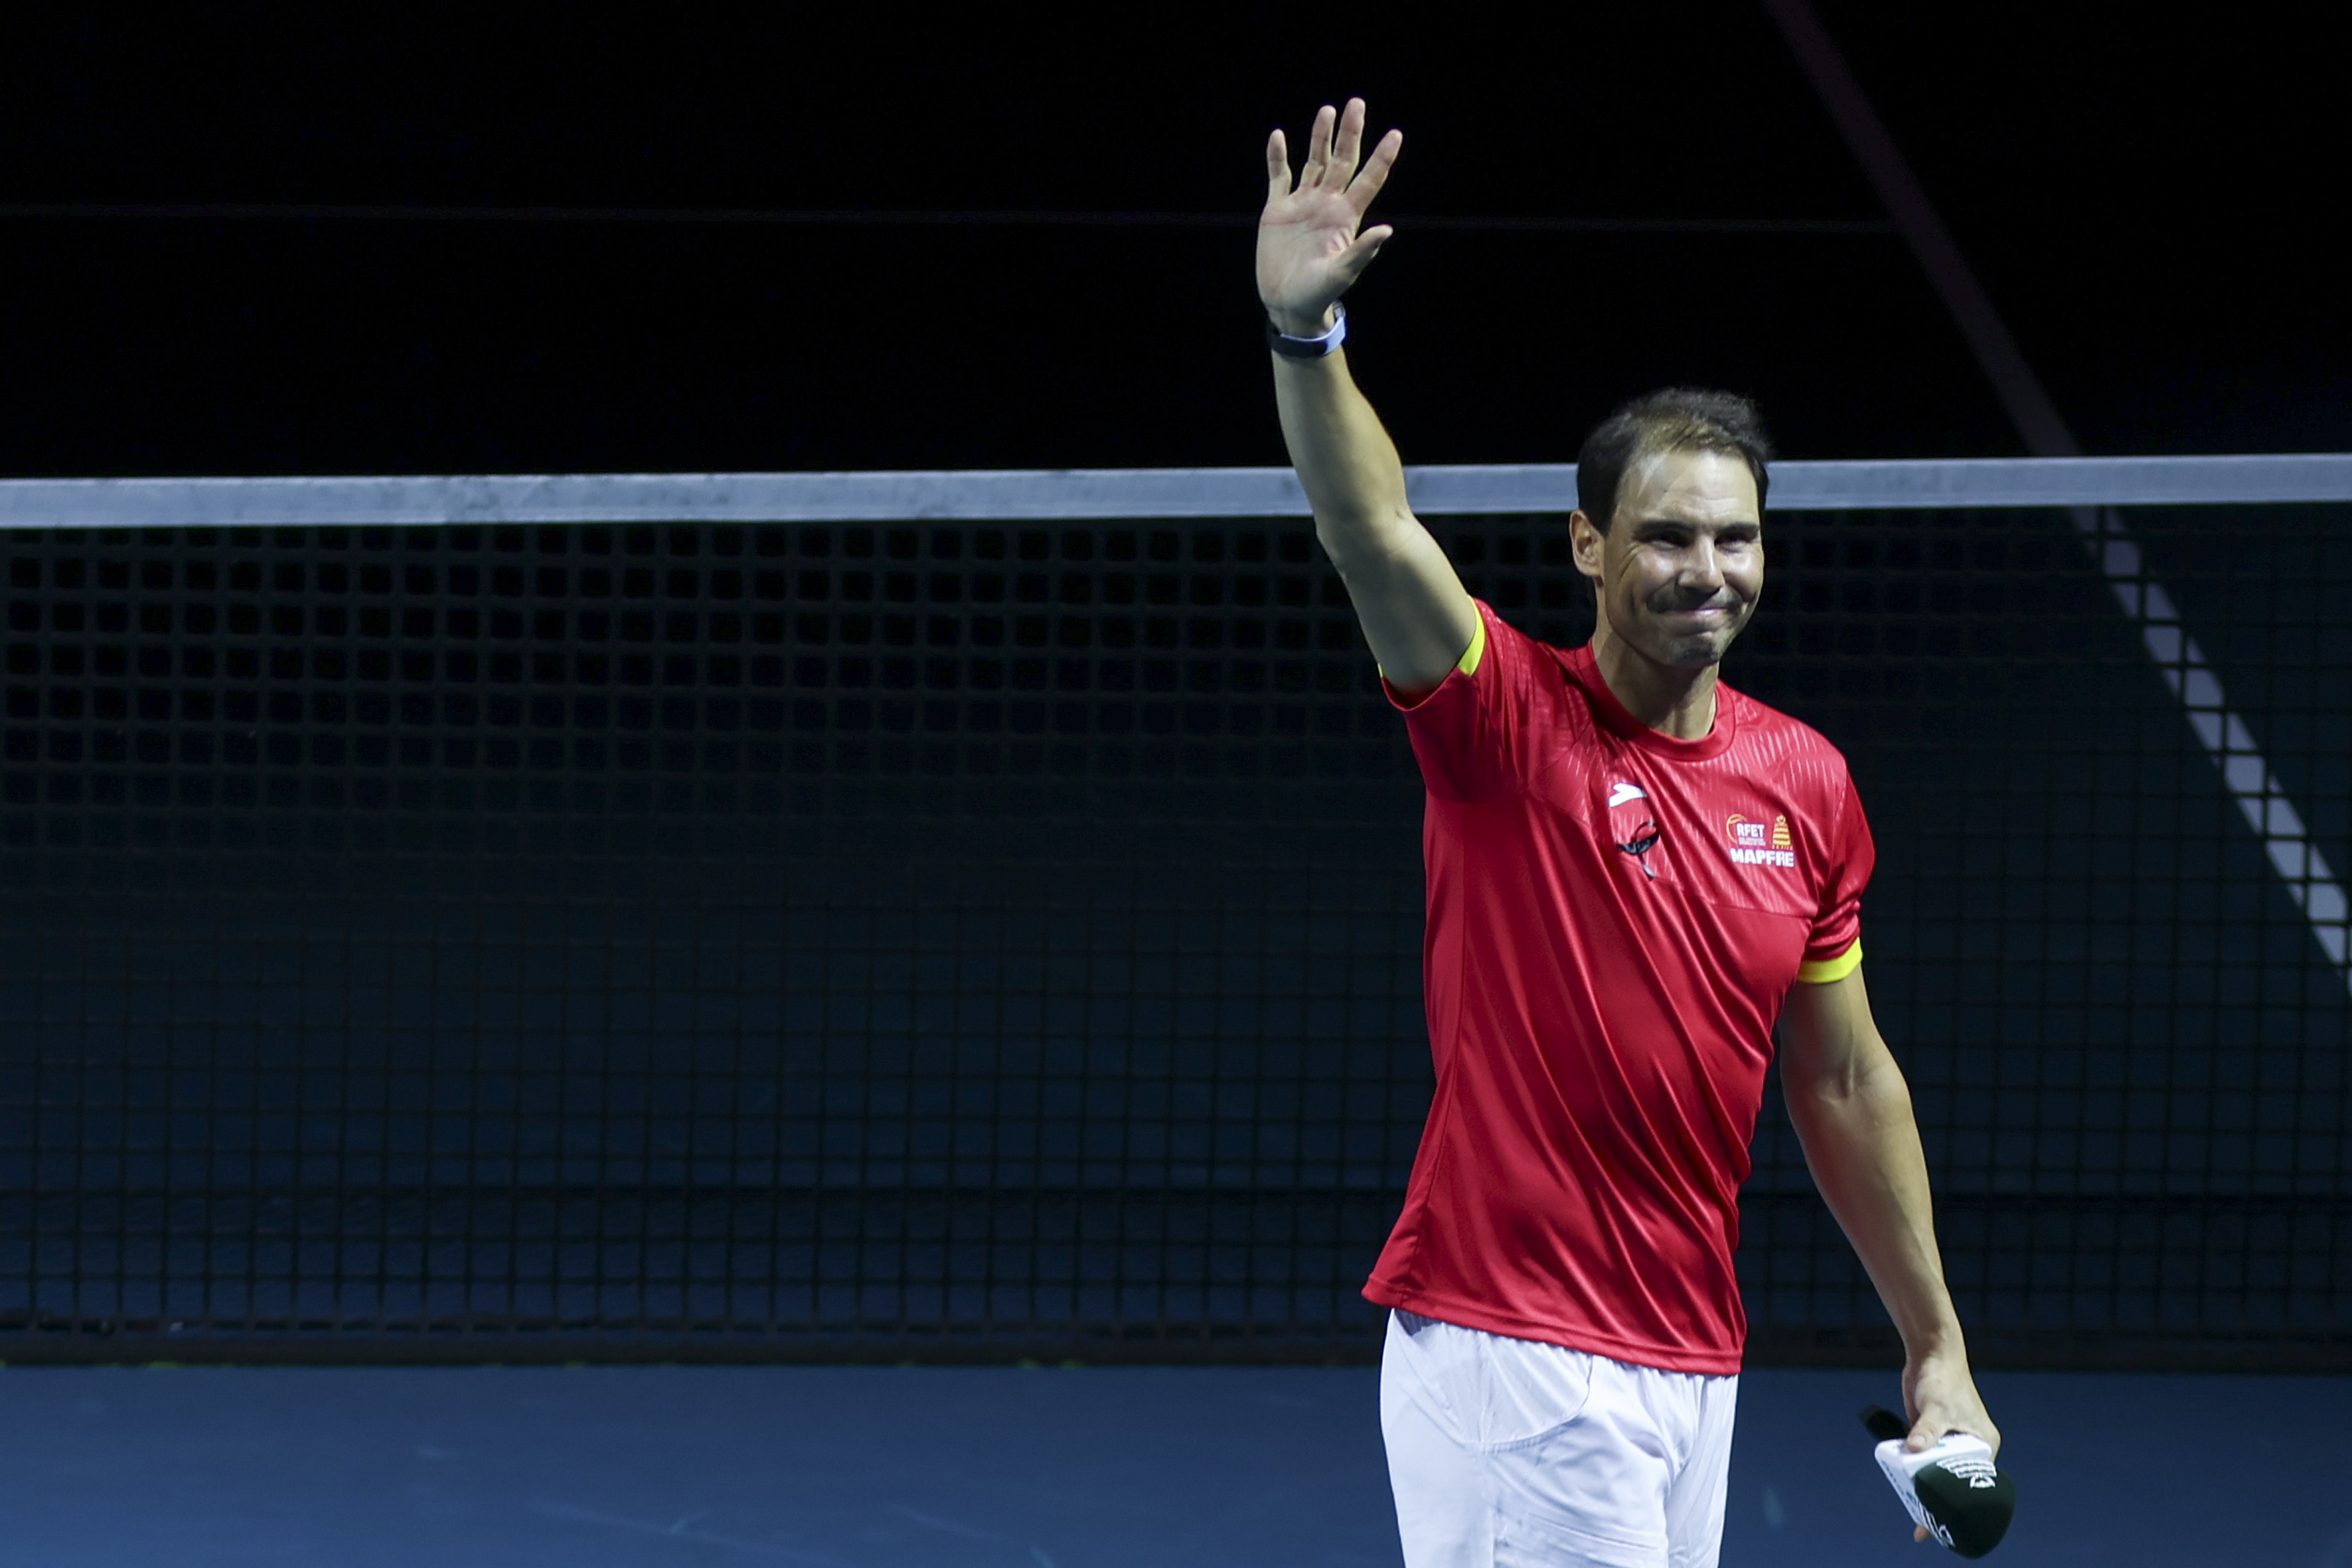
column 1416, row 614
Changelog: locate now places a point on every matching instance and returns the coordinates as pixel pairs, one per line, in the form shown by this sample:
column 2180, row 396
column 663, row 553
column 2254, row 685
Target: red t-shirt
column 1615, row 918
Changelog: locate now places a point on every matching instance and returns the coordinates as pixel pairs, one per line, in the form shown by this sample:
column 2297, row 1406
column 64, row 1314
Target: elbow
column 1873, row 1081
column 1819, row 1094
column 1365, row 542
column 1876, row 1099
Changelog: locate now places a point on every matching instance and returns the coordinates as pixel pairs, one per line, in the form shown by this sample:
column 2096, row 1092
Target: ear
column 1586, row 543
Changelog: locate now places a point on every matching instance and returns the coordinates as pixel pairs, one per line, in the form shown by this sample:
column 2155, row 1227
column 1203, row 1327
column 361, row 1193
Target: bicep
column 1828, row 1041
column 1417, row 614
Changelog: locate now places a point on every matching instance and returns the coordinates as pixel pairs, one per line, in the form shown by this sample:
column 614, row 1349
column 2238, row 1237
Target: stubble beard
column 1686, row 650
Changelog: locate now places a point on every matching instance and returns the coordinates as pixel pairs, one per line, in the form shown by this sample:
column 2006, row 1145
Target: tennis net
column 938, row 916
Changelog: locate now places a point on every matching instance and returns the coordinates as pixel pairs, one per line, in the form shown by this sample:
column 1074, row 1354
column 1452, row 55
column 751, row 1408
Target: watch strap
column 1310, row 348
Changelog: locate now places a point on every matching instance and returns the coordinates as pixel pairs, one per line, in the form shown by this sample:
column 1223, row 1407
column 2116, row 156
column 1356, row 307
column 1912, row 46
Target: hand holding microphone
column 1954, row 1491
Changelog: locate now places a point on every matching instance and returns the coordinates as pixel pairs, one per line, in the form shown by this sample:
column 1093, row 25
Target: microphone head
column 1969, row 1501
column 1953, row 1490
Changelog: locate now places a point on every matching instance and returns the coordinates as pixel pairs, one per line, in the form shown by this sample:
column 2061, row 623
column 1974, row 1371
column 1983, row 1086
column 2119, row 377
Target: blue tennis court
column 1051, row 1468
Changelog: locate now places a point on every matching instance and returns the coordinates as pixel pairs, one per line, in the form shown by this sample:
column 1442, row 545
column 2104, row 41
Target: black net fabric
column 973, row 940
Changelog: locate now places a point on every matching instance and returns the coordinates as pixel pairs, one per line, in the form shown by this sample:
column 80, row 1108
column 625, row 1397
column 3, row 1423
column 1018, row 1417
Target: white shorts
column 1508, row 1452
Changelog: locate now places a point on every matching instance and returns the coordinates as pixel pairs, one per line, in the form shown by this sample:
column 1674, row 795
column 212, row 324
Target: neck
column 1672, row 700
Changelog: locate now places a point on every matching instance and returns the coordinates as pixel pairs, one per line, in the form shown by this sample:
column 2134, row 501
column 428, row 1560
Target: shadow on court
column 880, row 1467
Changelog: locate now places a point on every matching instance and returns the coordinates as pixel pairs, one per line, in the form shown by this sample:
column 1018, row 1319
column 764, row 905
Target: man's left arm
column 1852, row 1113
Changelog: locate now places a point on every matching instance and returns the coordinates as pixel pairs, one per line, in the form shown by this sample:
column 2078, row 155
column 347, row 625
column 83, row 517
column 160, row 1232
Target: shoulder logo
column 1619, row 794
column 1754, row 842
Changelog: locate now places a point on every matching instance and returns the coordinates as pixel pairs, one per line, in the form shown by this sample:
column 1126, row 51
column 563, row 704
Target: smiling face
column 1679, row 570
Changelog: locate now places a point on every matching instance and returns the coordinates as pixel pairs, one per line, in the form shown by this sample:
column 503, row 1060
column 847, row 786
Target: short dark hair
column 1673, row 419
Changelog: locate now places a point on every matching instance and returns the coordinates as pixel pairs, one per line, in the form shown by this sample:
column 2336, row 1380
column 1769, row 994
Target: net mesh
column 970, row 938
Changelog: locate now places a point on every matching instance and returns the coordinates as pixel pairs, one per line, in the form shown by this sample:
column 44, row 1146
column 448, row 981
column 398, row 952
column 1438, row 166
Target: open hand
column 1308, row 250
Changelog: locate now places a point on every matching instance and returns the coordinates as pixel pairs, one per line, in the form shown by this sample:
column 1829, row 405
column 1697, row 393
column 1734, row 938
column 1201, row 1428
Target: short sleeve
column 1833, row 947
column 1475, row 735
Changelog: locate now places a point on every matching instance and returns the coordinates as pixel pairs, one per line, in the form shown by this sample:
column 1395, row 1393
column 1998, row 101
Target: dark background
column 968, row 939
column 2146, row 204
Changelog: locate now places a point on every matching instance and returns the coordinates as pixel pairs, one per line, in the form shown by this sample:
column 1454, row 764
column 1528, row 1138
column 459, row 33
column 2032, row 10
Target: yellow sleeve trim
column 1468, row 663
column 1822, row 971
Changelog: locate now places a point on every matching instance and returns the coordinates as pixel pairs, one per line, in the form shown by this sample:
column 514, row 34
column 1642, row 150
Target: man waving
column 1634, row 873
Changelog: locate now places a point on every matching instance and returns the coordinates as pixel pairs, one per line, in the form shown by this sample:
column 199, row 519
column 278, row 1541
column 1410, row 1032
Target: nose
column 1701, row 567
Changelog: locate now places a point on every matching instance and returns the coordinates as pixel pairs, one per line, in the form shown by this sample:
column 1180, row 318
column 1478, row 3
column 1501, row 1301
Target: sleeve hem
column 1822, row 971
column 1468, row 663
column 1466, row 667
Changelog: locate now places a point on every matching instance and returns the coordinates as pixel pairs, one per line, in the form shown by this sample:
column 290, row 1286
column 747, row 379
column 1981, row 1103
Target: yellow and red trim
column 1468, row 663
column 1822, row 971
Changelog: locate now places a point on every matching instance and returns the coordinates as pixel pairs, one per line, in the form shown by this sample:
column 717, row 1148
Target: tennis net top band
column 1046, row 494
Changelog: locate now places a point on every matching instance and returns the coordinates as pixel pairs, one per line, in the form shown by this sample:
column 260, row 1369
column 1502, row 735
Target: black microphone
column 1954, row 1489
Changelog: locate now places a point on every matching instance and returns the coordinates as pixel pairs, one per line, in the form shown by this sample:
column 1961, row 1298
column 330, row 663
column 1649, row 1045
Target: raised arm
column 1408, row 599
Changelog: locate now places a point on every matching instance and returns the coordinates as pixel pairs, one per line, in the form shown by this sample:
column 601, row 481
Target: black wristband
column 1317, row 347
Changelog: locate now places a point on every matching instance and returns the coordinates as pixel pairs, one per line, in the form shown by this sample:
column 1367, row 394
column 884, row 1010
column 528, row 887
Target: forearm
column 1853, row 1112
column 1861, row 1142
column 1412, row 606
column 1344, row 459
column 1310, row 249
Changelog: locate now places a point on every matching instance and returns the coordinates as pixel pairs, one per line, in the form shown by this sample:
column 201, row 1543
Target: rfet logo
column 1754, row 842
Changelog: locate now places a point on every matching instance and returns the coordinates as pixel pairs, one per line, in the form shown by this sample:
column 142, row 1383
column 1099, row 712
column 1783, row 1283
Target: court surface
column 1055, row 1468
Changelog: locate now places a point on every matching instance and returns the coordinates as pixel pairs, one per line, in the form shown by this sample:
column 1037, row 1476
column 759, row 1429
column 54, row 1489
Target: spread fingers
column 1350, row 144
column 1376, row 170
column 1318, row 149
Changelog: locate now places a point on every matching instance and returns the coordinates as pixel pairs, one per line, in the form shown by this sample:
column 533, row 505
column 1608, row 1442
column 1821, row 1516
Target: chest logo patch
column 1754, row 842
column 1640, row 828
